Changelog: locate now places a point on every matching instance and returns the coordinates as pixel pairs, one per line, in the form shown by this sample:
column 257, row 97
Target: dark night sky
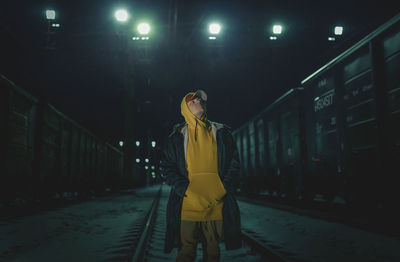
column 242, row 72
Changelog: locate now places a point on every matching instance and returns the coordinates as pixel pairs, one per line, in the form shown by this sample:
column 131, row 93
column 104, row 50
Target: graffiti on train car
column 356, row 92
column 324, row 101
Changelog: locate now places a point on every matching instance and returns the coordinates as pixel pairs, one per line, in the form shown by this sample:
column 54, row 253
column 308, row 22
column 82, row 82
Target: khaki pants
column 209, row 233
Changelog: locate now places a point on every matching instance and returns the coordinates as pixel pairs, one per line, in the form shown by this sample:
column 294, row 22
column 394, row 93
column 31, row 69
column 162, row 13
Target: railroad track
column 145, row 241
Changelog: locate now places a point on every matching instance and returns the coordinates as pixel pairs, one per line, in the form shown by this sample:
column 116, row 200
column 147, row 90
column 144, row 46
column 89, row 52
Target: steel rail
column 138, row 255
column 265, row 251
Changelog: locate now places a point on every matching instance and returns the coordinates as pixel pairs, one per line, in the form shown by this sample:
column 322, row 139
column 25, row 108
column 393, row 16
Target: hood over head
column 190, row 118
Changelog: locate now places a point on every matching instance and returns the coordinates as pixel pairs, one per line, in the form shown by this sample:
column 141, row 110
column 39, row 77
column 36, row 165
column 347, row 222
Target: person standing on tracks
column 201, row 163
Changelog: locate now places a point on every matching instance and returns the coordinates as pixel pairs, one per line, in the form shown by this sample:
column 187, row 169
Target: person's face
column 195, row 107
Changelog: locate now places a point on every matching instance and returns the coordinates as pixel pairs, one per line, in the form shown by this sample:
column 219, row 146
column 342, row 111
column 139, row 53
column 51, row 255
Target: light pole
column 50, row 16
column 130, row 174
column 132, row 53
column 142, row 43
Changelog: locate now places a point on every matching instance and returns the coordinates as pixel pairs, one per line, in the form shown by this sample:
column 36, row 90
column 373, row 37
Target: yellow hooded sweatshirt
column 202, row 201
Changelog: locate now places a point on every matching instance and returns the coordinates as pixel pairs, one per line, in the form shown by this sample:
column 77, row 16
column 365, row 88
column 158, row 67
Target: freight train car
column 17, row 124
column 71, row 158
column 44, row 152
column 348, row 129
column 271, row 147
column 352, row 113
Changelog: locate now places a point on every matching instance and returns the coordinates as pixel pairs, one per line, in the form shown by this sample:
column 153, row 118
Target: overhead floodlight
column 277, row 29
column 121, row 15
column 338, row 30
column 140, row 38
column 143, row 28
column 50, row 14
column 214, row 29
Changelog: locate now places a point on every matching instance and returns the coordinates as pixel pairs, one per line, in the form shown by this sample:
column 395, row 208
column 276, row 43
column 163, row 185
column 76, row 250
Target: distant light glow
column 277, row 29
column 137, row 143
column 143, row 28
column 55, row 25
column 214, row 28
column 50, row 14
column 338, row 30
column 121, row 15
column 146, row 167
column 121, row 143
column 146, row 160
column 153, row 143
column 140, row 38
column 331, row 38
column 153, row 167
column 212, row 37
column 137, row 160
column 273, row 38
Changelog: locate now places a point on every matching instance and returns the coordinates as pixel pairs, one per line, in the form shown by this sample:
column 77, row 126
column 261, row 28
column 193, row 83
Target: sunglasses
column 201, row 95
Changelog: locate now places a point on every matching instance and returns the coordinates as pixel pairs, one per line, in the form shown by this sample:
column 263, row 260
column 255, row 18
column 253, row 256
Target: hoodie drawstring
column 207, row 127
column 195, row 132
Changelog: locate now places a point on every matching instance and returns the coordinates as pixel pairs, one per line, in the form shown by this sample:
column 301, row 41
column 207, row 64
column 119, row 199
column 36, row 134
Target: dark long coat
column 174, row 168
